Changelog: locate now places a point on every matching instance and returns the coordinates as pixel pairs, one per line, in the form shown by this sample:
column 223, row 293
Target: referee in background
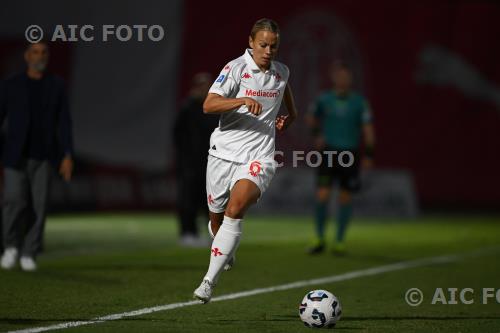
column 39, row 134
column 339, row 119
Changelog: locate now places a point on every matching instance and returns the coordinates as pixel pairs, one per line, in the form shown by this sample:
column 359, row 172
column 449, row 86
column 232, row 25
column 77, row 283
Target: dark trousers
column 191, row 199
column 25, row 206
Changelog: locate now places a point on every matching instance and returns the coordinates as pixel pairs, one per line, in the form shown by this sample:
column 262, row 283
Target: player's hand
column 282, row 122
column 367, row 163
column 253, row 106
column 66, row 168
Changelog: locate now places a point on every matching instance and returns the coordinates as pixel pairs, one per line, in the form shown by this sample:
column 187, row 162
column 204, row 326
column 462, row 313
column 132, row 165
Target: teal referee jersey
column 341, row 118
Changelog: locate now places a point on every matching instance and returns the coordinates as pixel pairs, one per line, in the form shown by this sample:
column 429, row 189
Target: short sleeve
column 227, row 82
column 316, row 108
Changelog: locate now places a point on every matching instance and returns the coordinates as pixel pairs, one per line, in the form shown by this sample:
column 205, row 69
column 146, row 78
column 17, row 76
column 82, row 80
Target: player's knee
column 235, row 209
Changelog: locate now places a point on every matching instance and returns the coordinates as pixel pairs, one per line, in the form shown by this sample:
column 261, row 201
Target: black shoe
column 318, row 249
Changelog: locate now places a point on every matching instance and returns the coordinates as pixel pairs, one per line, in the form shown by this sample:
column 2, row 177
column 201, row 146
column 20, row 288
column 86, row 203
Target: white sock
column 225, row 243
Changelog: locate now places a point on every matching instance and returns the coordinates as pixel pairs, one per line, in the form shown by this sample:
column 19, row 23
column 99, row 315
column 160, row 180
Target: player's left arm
column 282, row 122
column 368, row 136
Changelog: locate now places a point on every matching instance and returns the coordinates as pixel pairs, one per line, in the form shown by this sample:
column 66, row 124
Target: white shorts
column 223, row 174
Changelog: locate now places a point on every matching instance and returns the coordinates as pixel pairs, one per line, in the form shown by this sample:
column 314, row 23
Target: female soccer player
column 248, row 94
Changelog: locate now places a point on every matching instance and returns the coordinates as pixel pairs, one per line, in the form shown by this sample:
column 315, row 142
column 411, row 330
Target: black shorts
column 345, row 173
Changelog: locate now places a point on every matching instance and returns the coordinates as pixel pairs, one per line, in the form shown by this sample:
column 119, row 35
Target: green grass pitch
column 97, row 265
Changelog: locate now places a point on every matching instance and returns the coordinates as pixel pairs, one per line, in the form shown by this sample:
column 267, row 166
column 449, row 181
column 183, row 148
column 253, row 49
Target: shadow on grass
column 272, row 318
column 376, row 318
column 143, row 267
column 420, row 318
column 277, row 318
column 127, row 267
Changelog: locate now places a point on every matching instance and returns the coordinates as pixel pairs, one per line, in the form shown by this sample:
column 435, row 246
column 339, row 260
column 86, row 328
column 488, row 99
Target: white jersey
column 241, row 136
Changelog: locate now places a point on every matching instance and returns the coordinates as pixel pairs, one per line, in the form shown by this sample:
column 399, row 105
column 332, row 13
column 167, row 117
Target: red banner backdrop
column 429, row 69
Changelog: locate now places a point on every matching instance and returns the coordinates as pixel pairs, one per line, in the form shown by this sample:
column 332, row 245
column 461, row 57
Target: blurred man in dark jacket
column 192, row 138
column 39, row 135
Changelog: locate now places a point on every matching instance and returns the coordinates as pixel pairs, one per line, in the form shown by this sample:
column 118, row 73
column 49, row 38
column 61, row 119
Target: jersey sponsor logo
column 262, row 93
column 255, row 168
column 220, row 78
column 210, row 200
column 246, row 76
column 216, row 252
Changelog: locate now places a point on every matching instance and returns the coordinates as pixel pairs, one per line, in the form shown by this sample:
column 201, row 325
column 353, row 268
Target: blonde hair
column 264, row 24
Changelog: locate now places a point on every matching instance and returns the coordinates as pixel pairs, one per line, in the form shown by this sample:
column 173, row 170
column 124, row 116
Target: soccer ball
column 320, row 308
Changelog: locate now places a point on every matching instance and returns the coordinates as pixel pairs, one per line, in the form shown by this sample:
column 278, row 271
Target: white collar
column 253, row 66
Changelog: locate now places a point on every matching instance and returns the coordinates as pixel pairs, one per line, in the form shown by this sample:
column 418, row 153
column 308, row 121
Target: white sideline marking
column 297, row 284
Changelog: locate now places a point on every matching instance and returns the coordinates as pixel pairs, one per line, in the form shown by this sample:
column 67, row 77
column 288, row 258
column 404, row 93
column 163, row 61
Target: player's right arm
column 313, row 120
column 216, row 104
column 220, row 98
